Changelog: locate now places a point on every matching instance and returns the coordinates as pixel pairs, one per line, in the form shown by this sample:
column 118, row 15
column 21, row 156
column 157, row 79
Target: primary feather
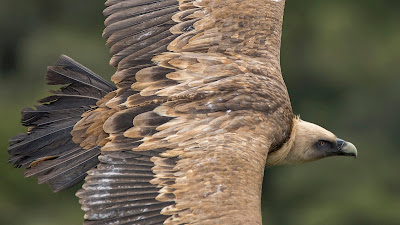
column 47, row 150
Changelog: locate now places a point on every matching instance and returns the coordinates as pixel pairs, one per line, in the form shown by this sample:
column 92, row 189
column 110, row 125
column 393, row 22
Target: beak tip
column 350, row 149
column 347, row 148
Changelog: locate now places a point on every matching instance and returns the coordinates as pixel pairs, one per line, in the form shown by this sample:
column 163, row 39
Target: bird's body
column 200, row 109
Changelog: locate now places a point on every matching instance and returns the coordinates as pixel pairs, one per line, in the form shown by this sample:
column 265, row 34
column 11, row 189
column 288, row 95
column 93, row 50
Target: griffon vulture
column 199, row 110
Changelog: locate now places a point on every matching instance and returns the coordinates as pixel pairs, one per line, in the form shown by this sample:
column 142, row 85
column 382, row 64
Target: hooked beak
column 346, row 148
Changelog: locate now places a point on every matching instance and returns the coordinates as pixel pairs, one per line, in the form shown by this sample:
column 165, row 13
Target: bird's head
column 310, row 142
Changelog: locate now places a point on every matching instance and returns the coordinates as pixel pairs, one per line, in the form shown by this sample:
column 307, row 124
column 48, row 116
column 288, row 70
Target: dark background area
column 341, row 63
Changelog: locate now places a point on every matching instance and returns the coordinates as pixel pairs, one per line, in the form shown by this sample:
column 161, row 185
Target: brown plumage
column 200, row 109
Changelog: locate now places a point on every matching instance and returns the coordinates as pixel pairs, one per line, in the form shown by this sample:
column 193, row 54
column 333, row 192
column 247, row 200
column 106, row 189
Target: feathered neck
column 278, row 157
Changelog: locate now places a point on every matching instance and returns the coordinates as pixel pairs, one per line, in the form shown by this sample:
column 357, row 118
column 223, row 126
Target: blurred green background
column 340, row 60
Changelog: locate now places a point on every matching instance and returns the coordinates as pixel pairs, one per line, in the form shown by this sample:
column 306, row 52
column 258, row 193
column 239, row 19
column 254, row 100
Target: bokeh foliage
column 340, row 60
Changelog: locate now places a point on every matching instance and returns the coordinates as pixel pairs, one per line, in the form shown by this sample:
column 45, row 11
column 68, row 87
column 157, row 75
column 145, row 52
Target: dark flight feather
column 119, row 189
column 47, row 150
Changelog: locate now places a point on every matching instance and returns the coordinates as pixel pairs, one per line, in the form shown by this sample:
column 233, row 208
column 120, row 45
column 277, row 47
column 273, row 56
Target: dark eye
column 322, row 144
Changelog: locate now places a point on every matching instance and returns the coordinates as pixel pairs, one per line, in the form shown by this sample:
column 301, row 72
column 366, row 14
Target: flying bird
column 199, row 110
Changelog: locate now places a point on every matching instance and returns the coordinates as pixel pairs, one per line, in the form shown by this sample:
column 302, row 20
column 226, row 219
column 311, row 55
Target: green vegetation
column 340, row 61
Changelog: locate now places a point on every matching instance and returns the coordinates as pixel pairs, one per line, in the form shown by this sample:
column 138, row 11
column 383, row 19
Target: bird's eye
column 321, row 143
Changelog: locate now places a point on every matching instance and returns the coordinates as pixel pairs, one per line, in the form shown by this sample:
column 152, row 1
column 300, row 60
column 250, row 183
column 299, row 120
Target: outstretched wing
column 190, row 133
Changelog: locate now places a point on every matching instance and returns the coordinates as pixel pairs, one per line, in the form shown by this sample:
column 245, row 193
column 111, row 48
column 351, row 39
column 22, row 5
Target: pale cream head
column 310, row 142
